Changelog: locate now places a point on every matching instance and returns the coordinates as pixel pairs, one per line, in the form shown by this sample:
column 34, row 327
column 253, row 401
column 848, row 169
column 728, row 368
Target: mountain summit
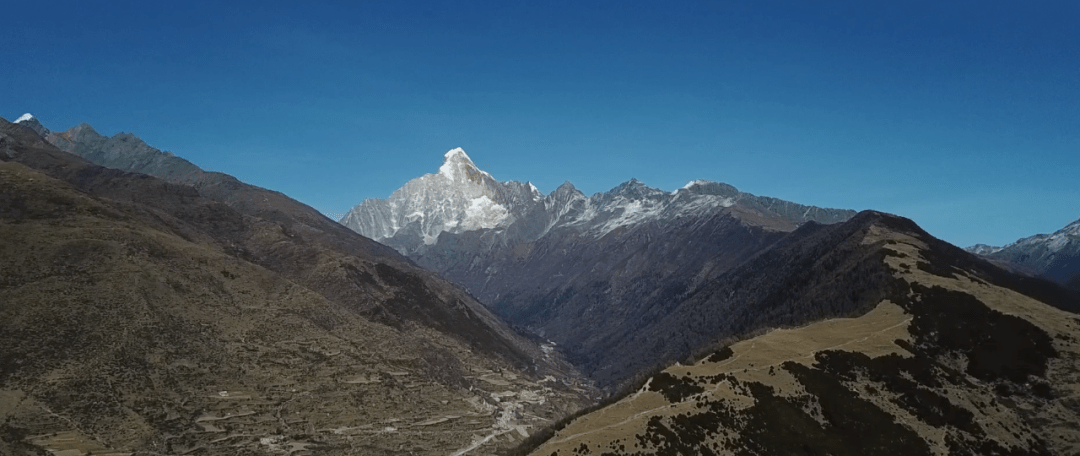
column 457, row 166
column 29, row 121
column 459, row 198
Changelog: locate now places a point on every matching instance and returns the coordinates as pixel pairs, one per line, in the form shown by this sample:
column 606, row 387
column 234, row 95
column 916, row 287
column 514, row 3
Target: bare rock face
column 947, row 354
column 580, row 271
column 143, row 316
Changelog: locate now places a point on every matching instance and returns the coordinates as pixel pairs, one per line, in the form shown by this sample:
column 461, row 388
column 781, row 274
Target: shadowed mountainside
column 950, row 355
column 140, row 315
column 294, row 239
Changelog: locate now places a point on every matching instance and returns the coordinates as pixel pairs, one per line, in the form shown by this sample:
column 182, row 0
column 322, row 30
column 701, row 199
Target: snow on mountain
column 1057, row 240
column 983, row 249
column 29, row 121
column 632, row 203
column 461, row 198
column 457, row 165
column 1053, row 242
column 1054, row 256
column 1062, row 237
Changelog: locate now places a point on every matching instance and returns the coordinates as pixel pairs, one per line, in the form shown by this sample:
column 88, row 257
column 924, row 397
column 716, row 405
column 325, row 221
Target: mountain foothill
column 195, row 314
column 152, row 307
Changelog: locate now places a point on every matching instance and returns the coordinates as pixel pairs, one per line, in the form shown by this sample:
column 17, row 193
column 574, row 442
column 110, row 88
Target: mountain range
column 153, row 307
column 587, row 273
column 904, row 344
column 1054, row 256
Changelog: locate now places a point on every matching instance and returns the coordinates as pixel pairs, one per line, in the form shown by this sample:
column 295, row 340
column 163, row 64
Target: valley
column 527, row 228
column 140, row 317
column 588, row 273
column 155, row 308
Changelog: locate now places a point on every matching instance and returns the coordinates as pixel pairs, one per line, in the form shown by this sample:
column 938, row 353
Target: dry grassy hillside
column 128, row 328
column 956, row 364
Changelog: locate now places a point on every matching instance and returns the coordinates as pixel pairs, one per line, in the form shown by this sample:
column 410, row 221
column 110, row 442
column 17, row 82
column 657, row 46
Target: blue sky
column 964, row 116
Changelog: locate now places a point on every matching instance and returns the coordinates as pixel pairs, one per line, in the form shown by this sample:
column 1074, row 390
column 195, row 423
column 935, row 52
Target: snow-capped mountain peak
column 1052, row 242
column 1054, row 256
column 983, row 249
column 459, row 198
column 457, row 166
column 29, row 121
column 456, row 152
column 693, row 183
column 462, row 198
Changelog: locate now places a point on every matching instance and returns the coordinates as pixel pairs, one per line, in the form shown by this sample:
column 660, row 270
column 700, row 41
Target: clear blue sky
column 962, row 115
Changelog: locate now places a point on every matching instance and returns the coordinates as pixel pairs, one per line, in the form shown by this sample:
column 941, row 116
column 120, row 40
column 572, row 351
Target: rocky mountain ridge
column 461, row 198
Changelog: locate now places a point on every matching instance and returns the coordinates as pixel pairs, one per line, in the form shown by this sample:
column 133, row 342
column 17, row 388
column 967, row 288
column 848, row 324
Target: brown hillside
column 137, row 316
column 957, row 357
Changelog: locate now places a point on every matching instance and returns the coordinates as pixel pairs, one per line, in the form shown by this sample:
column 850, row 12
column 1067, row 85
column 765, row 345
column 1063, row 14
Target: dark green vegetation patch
column 845, row 409
column 997, row 346
column 673, row 388
column 721, row 354
column 779, row 425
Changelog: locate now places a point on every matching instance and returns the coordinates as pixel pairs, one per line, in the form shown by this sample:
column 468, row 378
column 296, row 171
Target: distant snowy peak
column 457, row 166
column 1054, row 256
column 29, row 121
column 459, row 198
column 707, row 187
column 1065, row 236
column 634, row 189
column 457, row 153
column 1053, row 242
column 983, row 249
column 693, row 183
